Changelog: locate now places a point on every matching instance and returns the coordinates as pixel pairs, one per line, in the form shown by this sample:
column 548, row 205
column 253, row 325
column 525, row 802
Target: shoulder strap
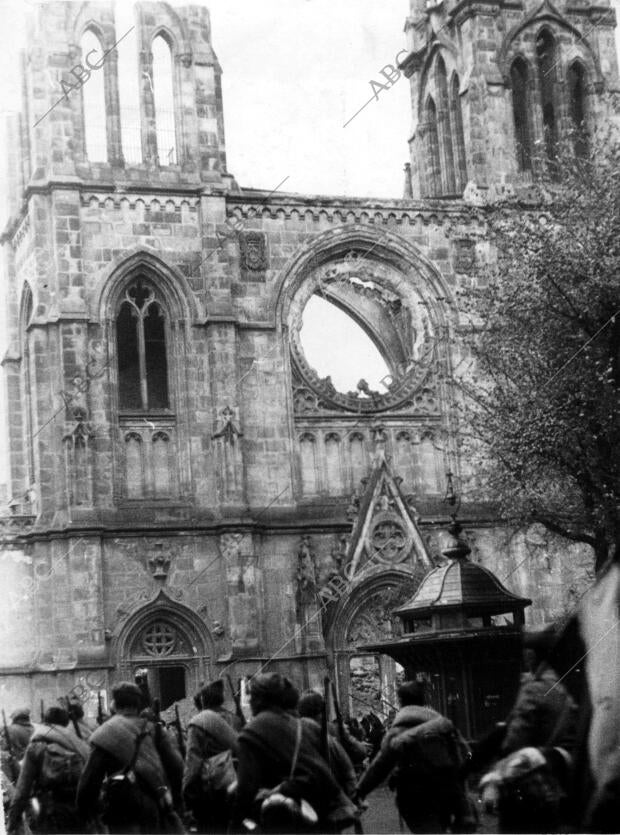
column 566, row 708
column 131, row 764
column 296, row 751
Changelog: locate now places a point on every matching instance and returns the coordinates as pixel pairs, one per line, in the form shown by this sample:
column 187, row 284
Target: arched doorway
column 367, row 682
column 168, row 647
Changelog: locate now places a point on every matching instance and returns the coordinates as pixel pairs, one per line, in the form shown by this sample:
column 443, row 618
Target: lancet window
column 141, row 350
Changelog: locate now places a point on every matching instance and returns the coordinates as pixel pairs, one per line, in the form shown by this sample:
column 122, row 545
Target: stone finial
column 408, row 189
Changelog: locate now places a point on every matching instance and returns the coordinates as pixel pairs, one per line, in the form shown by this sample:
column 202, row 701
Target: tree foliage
column 541, row 394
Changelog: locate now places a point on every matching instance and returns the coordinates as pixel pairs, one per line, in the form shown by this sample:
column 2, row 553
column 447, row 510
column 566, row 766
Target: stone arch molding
column 389, row 289
column 542, row 16
column 374, row 244
column 395, row 586
column 181, row 302
column 162, row 607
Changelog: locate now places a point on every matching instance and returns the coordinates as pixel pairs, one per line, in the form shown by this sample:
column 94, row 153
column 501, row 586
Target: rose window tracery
column 396, row 319
column 159, row 639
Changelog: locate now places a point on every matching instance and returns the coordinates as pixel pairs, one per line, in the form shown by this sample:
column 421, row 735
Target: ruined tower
column 496, row 85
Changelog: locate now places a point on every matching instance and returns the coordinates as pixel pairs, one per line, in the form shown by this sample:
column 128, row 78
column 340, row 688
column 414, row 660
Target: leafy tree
column 540, row 396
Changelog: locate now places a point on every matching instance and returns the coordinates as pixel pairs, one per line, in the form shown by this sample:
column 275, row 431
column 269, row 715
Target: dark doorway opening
column 171, row 685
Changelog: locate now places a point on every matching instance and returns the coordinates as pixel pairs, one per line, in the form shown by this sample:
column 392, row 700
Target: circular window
column 159, row 639
column 361, row 338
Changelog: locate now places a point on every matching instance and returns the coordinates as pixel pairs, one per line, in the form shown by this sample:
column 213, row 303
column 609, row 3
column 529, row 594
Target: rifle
column 9, row 744
column 339, row 719
column 324, row 728
column 357, row 822
column 236, row 694
column 177, row 723
column 72, row 716
column 99, row 708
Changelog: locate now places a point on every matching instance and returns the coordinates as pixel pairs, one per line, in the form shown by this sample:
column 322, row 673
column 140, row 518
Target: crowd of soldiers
column 288, row 768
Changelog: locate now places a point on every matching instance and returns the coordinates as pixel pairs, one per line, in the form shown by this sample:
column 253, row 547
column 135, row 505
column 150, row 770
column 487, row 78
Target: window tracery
column 141, row 348
column 546, row 58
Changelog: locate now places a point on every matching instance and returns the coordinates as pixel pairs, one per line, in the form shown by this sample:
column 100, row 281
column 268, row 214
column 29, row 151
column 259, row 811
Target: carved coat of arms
column 253, row 254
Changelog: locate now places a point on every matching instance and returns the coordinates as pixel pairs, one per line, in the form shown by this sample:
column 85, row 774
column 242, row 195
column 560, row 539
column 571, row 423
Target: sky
column 294, row 73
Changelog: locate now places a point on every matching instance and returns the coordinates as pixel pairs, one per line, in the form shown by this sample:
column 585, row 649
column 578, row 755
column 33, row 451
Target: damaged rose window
column 336, row 346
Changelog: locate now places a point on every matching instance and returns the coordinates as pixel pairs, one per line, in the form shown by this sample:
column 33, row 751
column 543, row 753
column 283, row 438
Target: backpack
column 433, row 747
column 121, row 797
column 61, row 767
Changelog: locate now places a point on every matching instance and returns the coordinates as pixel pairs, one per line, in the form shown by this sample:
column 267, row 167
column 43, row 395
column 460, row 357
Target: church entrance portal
column 166, row 649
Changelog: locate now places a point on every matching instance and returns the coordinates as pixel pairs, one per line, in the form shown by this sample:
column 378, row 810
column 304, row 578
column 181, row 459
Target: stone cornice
column 344, row 210
column 316, row 515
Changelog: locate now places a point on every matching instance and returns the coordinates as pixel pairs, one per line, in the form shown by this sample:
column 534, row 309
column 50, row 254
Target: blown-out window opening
column 163, row 97
column 93, row 99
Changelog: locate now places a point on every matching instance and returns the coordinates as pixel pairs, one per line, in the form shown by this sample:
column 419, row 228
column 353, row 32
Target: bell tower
column 499, row 84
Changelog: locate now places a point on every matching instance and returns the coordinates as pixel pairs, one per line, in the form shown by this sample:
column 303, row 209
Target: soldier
column 139, row 769
column 210, row 733
column 53, row 762
column 19, row 732
column 425, row 755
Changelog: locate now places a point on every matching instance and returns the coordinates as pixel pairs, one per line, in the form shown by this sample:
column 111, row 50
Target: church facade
column 189, row 497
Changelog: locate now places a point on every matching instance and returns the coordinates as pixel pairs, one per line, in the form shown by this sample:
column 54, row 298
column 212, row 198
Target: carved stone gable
column 385, row 533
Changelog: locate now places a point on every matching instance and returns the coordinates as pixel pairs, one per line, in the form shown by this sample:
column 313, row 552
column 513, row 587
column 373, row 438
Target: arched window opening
column 163, row 96
column 433, row 164
column 577, row 101
column 93, row 99
column 141, row 346
column 546, row 58
column 129, row 89
column 444, row 127
column 520, row 113
column 335, row 345
column 458, row 137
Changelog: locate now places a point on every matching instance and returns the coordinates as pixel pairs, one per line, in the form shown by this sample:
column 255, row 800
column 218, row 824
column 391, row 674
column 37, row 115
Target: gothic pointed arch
column 180, row 298
column 545, row 14
column 146, row 310
column 99, row 129
column 163, row 634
